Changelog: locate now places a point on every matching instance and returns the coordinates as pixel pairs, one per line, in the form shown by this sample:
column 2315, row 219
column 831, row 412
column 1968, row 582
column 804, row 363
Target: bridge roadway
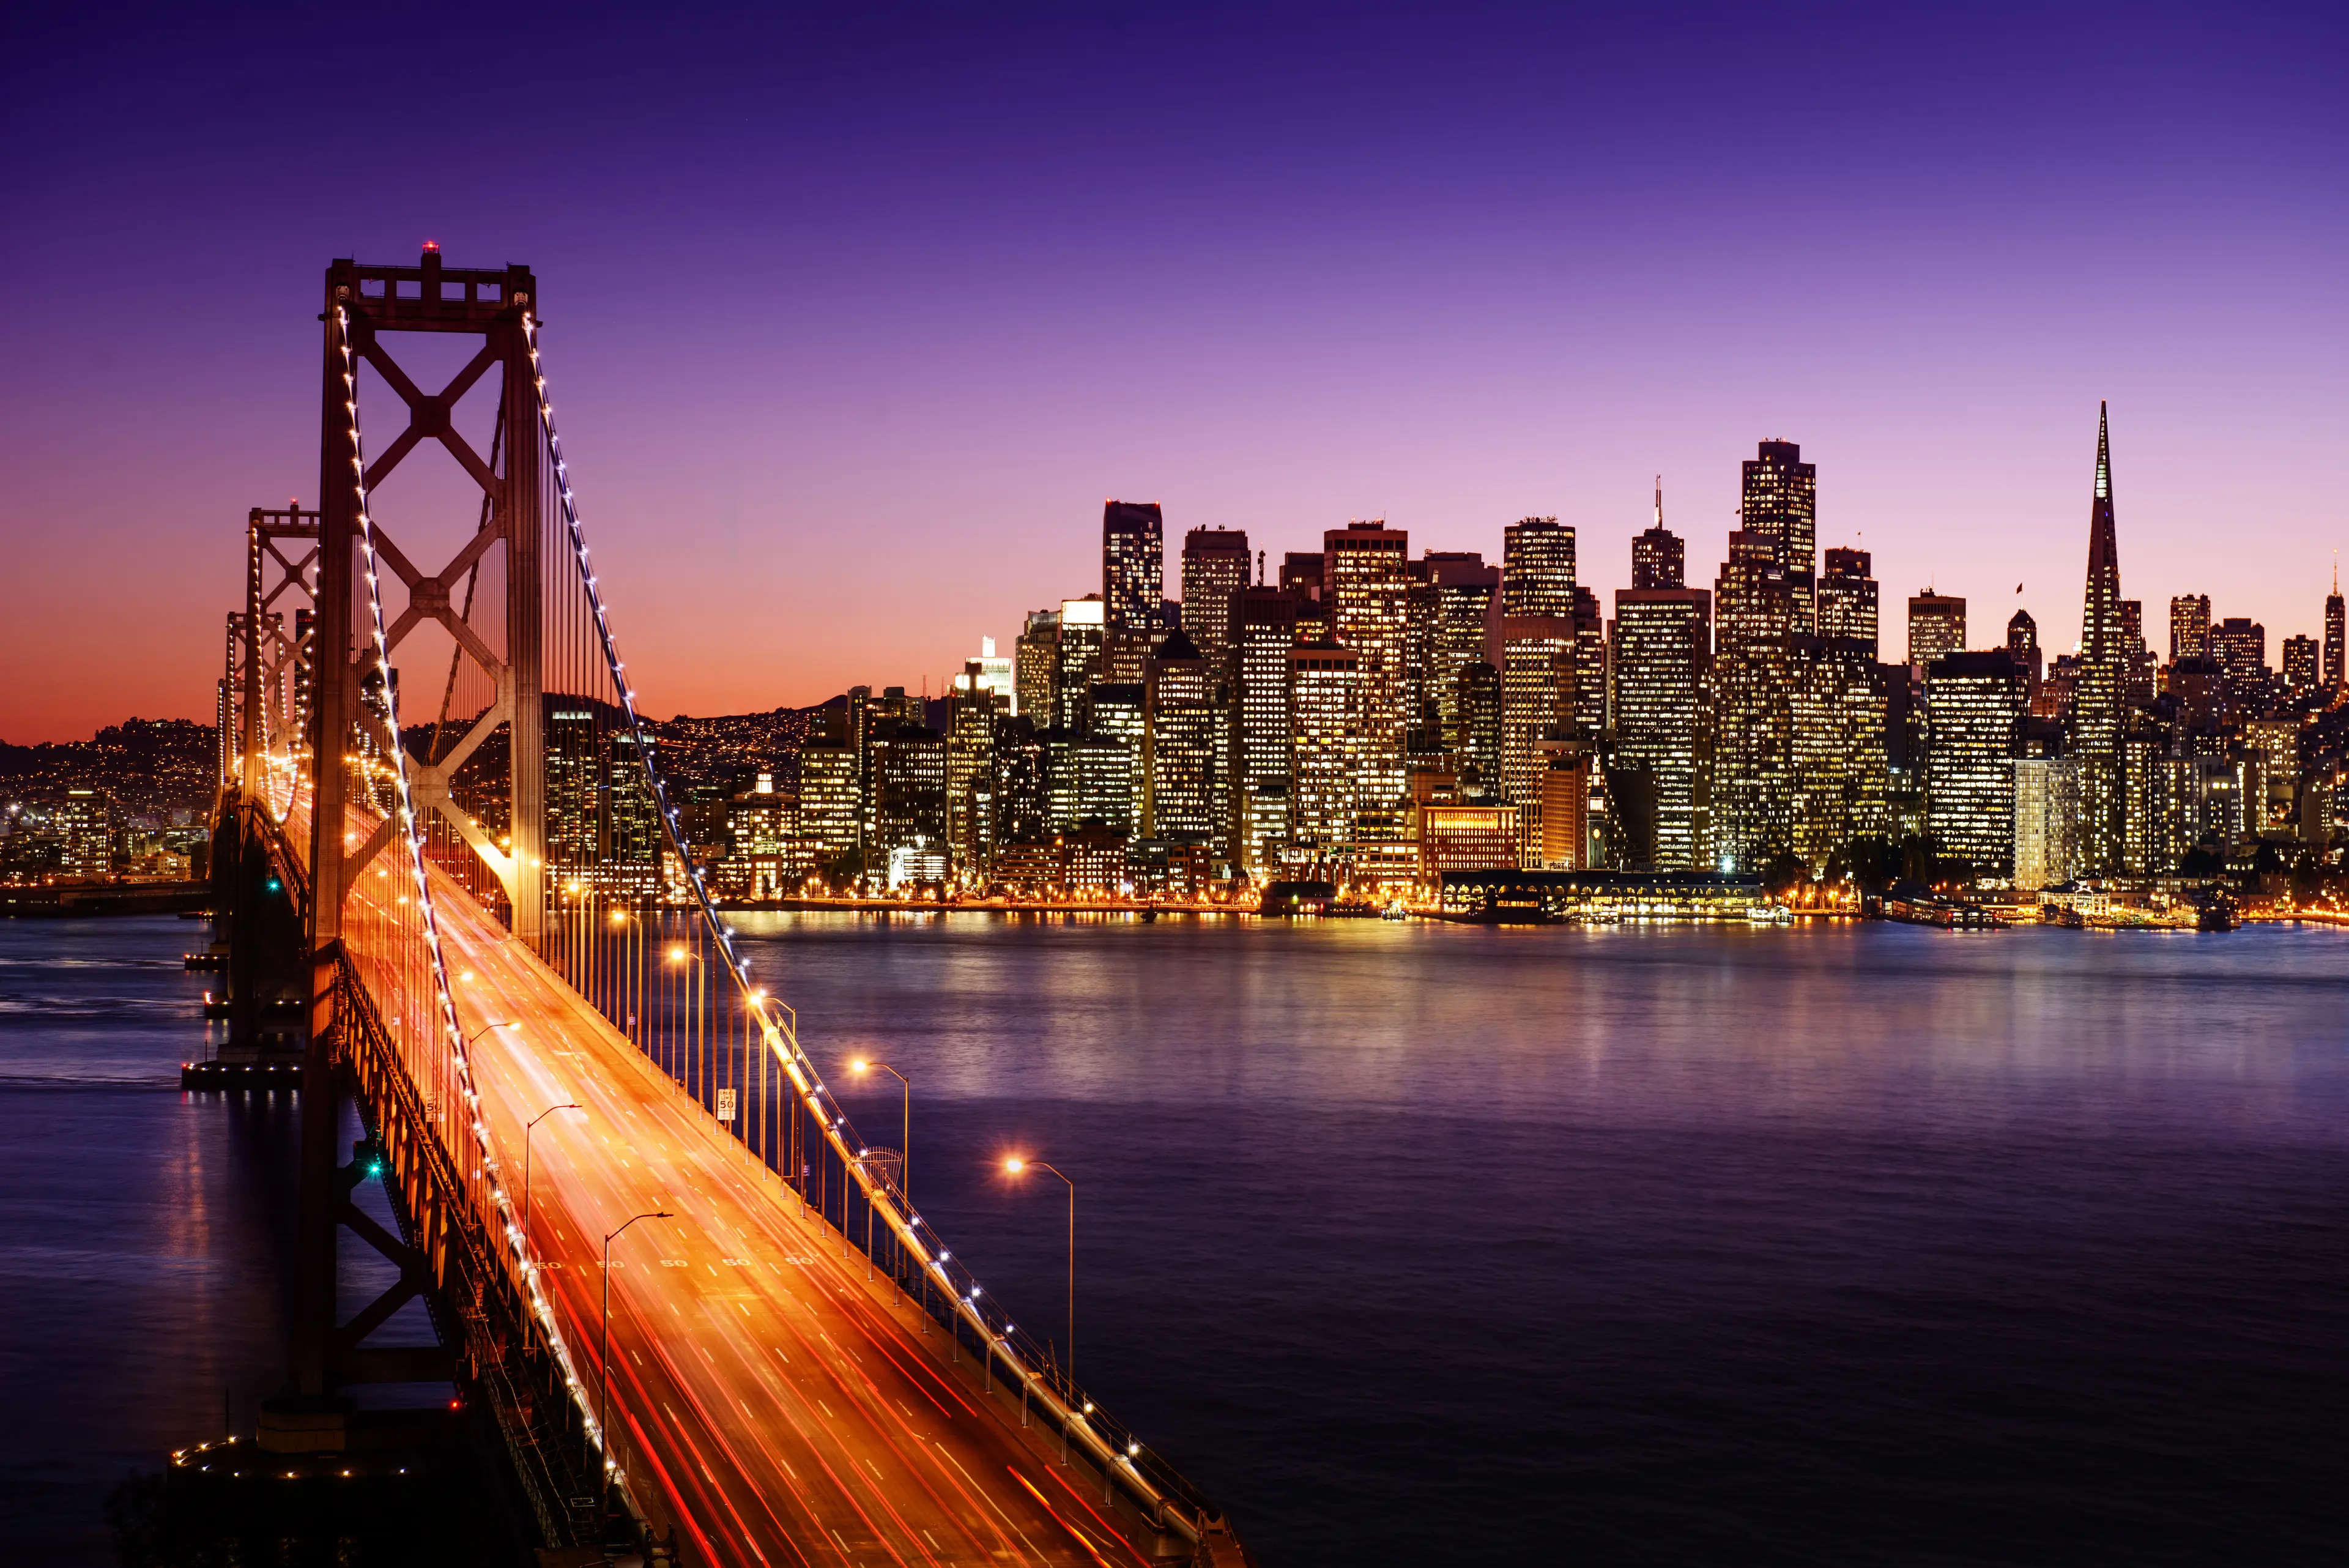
column 769, row 1401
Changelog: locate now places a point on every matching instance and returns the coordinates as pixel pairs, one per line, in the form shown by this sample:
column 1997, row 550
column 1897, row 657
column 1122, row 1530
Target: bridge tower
column 367, row 307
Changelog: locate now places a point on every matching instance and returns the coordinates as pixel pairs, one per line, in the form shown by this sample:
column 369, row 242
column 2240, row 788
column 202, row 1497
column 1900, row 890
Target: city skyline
column 798, row 328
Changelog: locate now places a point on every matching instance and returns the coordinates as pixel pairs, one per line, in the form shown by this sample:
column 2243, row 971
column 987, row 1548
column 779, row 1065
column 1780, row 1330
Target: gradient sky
column 855, row 314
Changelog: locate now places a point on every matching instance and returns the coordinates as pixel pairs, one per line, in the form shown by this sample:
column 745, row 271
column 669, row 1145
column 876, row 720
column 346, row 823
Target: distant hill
column 151, row 767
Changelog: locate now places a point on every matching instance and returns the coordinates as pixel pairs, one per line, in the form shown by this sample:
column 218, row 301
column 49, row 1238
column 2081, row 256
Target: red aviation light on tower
column 432, row 247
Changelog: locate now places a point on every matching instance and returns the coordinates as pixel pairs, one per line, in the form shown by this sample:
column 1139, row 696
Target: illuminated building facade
column 1326, row 746
column 1974, row 704
column 1134, row 565
column 1035, row 664
column 1366, row 588
column 1538, row 657
column 1265, row 629
column 1183, row 720
column 1078, row 661
column 2100, row 691
column 1753, row 706
column 1780, row 506
column 1662, row 708
column 1215, row 569
column 2046, row 822
column 2189, row 627
column 1537, row 568
column 1936, row 628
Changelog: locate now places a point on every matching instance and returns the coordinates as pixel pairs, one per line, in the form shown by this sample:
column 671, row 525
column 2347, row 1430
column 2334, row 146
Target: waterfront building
column 2189, row 627
column 1134, row 565
column 1839, row 782
column 1458, row 837
column 829, row 805
column 1035, row 662
column 1936, row 628
column 1753, row 706
column 1537, row 668
column 1214, row 571
column 1182, row 721
column 1659, row 560
column 1662, row 660
column 1566, row 809
column 1538, row 568
column 1366, row 587
column 1327, row 743
column 2047, row 821
column 1265, row 630
column 86, row 825
column 2098, row 697
column 1974, row 704
column 1781, row 505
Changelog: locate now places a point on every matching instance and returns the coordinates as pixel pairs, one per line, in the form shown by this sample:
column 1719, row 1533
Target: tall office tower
column 1325, row 745
column 1974, row 704
column 2300, row 665
column 1538, row 568
column 1088, row 780
column 2047, row 821
column 1839, row 784
column 633, row 839
column 1077, row 661
column 1589, row 709
column 1662, row 669
column 1125, row 657
column 1179, row 760
column 1020, row 786
column 1422, row 716
column 909, row 790
column 2139, row 686
column 2240, row 644
column 2099, row 692
column 829, row 803
column 1134, row 564
column 1536, row 706
column 1466, row 589
column 1659, row 560
column 85, row 824
column 1474, row 736
column 1118, row 709
column 2023, row 646
column 995, row 674
column 1366, row 588
column 1848, row 599
column 1936, row 628
column 1755, row 615
column 1035, row 660
column 974, row 707
column 574, row 786
column 1781, row 505
column 2333, row 633
column 2189, row 627
column 1265, row 629
column 1215, row 563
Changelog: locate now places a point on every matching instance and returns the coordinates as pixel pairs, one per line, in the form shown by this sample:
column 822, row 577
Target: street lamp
column 1016, row 1164
column 695, row 995
column 603, row 1361
column 905, row 1130
column 526, row 1131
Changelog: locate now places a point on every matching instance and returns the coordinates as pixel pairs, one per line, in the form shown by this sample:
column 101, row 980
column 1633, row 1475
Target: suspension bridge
column 705, row 1316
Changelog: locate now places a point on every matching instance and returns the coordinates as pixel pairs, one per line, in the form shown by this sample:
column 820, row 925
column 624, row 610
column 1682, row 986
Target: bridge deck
column 767, row 1399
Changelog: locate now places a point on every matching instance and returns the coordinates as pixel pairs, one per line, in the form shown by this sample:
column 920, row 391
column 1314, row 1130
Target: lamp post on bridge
column 1017, row 1164
column 696, row 994
column 906, row 1132
column 603, row 1358
column 526, row 1131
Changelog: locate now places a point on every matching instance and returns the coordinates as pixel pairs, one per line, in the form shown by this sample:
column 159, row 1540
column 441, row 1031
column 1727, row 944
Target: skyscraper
column 2046, row 818
column 1265, row 629
column 1326, row 747
column 1366, row 588
column 1179, row 755
column 2300, row 665
column 1848, row 599
column 2023, row 646
column 1035, row 657
column 1661, row 664
column 1538, row 669
column 1464, row 590
column 1214, row 569
column 1974, row 704
column 2100, row 690
column 1936, row 628
column 2240, row 644
column 2189, row 627
column 1658, row 558
column 1538, row 568
column 1752, row 705
column 1077, row 661
column 1781, row 505
column 2333, row 634
column 1134, row 564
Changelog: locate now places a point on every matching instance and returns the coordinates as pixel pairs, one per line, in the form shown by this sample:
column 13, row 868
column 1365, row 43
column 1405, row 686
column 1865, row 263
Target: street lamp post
column 696, row 994
column 1016, row 1164
column 603, row 1360
column 905, row 1131
column 529, row 1128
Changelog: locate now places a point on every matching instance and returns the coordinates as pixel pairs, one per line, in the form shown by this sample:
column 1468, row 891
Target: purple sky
column 854, row 323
